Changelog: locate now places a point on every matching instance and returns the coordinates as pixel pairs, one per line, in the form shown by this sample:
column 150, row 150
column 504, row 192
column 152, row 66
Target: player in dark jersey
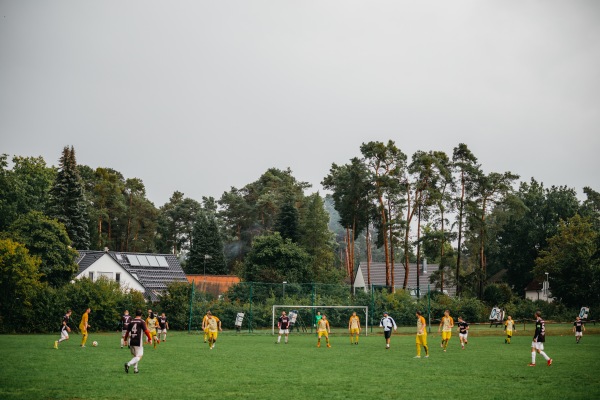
column 463, row 332
column 64, row 329
column 136, row 328
column 578, row 328
column 539, row 338
column 125, row 320
column 163, row 325
column 284, row 327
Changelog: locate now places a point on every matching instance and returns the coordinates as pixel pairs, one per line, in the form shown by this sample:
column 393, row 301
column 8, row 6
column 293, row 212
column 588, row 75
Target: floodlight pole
column 206, row 257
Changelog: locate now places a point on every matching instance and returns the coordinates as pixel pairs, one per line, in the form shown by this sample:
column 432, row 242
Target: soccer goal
column 290, row 308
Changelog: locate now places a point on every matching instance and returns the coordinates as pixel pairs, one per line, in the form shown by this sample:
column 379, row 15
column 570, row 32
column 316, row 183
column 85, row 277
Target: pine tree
column 67, row 200
column 207, row 247
column 287, row 223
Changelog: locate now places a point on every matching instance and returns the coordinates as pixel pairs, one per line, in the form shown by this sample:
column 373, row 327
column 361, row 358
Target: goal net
column 302, row 318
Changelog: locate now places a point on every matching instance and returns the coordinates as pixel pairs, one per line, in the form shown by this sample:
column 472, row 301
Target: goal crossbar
column 293, row 307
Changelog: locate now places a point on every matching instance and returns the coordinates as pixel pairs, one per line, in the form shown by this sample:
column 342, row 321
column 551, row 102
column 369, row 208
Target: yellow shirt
column 152, row 323
column 354, row 322
column 448, row 323
column 421, row 326
column 213, row 324
column 84, row 321
column 509, row 324
column 323, row 325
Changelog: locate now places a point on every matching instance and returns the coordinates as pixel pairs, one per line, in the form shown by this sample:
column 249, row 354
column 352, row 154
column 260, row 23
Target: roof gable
column 153, row 271
column 377, row 272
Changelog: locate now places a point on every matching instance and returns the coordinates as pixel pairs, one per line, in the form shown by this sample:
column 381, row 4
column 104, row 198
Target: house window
column 92, row 275
column 107, row 275
column 118, row 277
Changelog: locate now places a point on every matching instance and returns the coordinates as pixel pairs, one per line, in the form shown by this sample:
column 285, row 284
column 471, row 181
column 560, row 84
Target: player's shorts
column 153, row 333
column 206, row 330
column 446, row 335
column 580, row 333
column 422, row 340
column 213, row 335
column 537, row 345
column 509, row 333
column 463, row 336
column 82, row 330
column 284, row 331
column 163, row 331
column 387, row 334
column 354, row 331
column 64, row 334
column 323, row 333
column 137, row 351
column 123, row 332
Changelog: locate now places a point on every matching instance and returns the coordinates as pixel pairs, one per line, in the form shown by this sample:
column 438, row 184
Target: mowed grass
column 252, row 366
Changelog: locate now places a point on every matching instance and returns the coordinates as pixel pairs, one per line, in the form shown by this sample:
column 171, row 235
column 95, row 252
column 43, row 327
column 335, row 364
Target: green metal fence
column 255, row 300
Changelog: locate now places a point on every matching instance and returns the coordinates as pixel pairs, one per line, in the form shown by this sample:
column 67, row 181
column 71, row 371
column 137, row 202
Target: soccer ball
column 94, row 343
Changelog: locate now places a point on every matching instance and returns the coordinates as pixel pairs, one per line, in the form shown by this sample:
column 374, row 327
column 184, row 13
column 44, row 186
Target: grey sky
column 199, row 96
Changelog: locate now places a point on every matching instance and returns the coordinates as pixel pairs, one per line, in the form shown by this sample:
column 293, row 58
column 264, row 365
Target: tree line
column 483, row 229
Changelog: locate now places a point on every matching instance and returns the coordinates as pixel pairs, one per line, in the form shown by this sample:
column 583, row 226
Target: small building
column 538, row 290
column 214, row 284
column 377, row 270
column 146, row 273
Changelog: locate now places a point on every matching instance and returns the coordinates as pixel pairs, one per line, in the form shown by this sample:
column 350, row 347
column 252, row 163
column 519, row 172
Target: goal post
column 294, row 307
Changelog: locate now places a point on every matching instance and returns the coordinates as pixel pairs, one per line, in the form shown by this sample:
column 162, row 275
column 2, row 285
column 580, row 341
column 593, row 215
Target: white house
column 537, row 290
column 416, row 278
column 146, row 273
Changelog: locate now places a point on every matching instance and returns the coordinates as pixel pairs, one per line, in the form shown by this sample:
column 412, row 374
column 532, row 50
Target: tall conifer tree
column 67, row 200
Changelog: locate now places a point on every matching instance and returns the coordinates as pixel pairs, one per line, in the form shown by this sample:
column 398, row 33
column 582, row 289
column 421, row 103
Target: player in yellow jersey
column 323, row 329
column 446, row 325
column 84, row 325
column 354, row 328
column 421, row 335
column 509, row 327
column 214, row 326
column 152, row 324
column 205, row 325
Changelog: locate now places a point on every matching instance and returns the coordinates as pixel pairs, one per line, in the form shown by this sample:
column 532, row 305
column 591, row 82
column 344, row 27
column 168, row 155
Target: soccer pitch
column 252, row 366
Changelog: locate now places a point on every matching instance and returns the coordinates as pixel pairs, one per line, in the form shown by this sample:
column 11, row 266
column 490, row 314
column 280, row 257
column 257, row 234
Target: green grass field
column 251, row 366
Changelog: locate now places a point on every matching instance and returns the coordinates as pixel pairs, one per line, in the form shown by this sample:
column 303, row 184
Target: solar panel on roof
column 153, row 261
column 133, row 260
column 143, row 260
column 162, row 261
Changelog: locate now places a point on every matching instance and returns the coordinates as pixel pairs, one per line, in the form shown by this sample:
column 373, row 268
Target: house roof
column 377, row 270
column 535, row 285
column 216, row 284
column 153, row 271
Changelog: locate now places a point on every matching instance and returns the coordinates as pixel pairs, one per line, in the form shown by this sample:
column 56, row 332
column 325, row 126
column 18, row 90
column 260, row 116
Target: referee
column 387, row 323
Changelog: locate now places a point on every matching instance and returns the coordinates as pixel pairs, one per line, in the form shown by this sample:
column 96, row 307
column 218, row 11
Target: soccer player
column 64, row 329
column 283, row 324
column 323, row 329
column 136, row 328
column 84, row 325
column 152, row 324
column 354, row 328
column 539, row 338
column 205, row 326
column 318, row 318
column 387, row 323
column 214, row 326
column 509, row 327
column 421, row 335
column 163, row 325
column 463, row 332
column 125, row 320
column 578, row 328
column 446, row 325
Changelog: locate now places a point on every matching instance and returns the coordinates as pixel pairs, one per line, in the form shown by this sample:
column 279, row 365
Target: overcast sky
column 199, row 96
